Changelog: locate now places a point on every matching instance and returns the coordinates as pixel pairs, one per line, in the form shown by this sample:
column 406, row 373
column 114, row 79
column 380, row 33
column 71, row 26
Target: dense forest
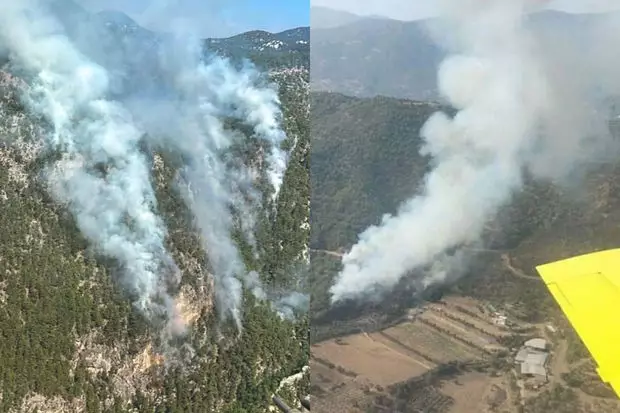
column 365, row 162
column 69, row 337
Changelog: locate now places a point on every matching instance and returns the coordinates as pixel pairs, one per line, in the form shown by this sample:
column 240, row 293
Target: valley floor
column 369, row 370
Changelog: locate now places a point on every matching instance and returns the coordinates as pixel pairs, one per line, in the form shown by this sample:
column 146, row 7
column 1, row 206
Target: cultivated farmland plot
column 428, row 341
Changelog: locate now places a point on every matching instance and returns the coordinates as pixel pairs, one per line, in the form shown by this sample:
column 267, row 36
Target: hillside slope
column 365, row 162
column 70, row 340
column 269, row 50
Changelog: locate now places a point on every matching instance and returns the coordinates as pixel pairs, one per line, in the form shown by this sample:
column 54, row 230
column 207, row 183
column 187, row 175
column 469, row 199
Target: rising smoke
column 99, row 129
column 199, row 96
column 524, row 102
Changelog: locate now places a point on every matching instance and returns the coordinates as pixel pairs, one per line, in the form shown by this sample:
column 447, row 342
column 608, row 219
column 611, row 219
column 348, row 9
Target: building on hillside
column 532, row 359
column 499, row 319
column 536, row 344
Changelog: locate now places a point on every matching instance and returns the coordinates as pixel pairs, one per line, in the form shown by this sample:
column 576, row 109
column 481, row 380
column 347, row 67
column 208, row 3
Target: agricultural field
column 477, row 392
column 433, row 344
column 360, row 369
column 451, row 357
column 375, row 360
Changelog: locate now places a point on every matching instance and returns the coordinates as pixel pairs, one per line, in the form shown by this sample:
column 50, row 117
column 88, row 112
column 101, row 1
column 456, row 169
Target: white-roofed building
column 528, row 369
column 532, row 359
column 537, row 343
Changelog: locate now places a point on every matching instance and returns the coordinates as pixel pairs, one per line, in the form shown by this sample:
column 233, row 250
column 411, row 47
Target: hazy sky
column 211, row 17
column 419, row 9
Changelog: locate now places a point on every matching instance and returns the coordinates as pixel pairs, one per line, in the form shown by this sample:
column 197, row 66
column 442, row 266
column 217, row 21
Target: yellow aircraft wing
column 587, row 288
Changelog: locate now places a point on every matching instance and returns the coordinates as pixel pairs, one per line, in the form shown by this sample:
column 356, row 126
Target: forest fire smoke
column 104, row 123
column 523, row 103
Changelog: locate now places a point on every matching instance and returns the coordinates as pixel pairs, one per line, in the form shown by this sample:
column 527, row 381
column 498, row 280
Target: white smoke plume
column 522, row 102
column 241, row 94
column 290, row 305
column 102, row 175
column 100, row 131
column 190, row 122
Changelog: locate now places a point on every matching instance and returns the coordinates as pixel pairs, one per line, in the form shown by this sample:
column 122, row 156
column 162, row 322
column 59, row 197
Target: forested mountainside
column 271, row 50
column 70, row 339
column 365, row 162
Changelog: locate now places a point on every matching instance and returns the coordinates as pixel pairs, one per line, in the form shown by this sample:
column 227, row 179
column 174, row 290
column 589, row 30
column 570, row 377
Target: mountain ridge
column 286, row 48
column 366, row 57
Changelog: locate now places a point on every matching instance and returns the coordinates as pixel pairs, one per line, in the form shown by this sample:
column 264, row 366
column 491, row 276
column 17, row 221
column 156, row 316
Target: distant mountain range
column 105, row 29
column 130, row 52
column 287, row 48
column 369, row 56
column 373, row 56
column 325, row 18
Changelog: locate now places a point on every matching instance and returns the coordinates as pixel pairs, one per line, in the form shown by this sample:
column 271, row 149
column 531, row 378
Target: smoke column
column 103, row 174
column 517, row 110
column 188, row 119
column 186, row 116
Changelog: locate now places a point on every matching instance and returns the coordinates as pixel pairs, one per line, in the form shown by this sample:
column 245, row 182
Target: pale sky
column 420, row 9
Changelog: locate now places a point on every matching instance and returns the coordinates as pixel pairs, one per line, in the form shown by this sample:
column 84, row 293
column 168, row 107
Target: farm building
column 537, row 344
column 532, row 359
column 499, row 319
